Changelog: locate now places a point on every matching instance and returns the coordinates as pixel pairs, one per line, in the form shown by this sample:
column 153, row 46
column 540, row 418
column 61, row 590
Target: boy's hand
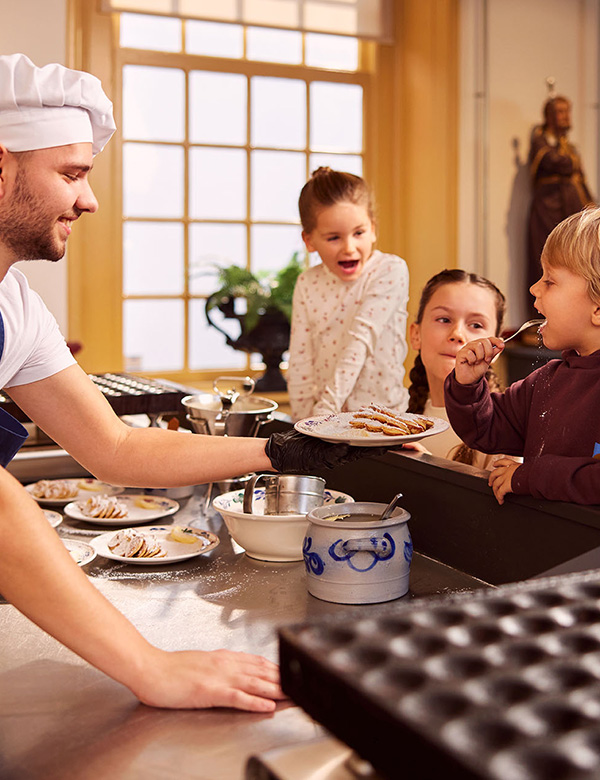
column 500, row 479
column 474, row 359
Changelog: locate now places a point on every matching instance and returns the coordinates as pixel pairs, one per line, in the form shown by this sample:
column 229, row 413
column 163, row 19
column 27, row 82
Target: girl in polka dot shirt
column 348, row 342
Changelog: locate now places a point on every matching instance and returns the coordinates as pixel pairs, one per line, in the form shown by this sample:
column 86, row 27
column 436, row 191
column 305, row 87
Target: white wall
column 38, row 29
column 508, row 49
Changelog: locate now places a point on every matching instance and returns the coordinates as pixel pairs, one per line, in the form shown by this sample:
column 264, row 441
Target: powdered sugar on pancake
column 347, row 427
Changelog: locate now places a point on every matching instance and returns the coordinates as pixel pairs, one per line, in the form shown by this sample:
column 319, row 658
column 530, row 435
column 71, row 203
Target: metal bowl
column 245, row 418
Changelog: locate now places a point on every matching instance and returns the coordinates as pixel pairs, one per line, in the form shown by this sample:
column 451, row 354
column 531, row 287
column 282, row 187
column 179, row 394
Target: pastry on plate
column 55, row 489
column 380, row 419
column 130, row 543
column 103, row 506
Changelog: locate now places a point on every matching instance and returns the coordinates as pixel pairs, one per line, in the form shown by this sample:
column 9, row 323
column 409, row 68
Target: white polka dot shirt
column 348, row 342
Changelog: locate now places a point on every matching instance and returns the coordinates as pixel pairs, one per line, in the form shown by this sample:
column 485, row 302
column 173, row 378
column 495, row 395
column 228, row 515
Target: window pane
column 280, row 13
column 335, row 117
column 152, row 180
column 158, row 33
column 277, row 178
column 274, row 45
column 212, row 245
column 218, row 183
column 334, row 52
column 329, row 17
column 278, row 112
column 153, row 334
column 218, row 105
column 274, row 245
column 141, row 119
column 223, row 10
column 152, row 258
column 212, row 39
column 208, row 348
column 350, row 163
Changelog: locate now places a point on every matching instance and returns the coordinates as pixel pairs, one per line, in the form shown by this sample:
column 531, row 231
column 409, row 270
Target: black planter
column 270, row 337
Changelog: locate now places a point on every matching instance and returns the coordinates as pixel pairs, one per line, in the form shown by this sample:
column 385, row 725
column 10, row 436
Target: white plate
column 135, row 514
column 336, row 428
column 95, row 488
column 54, row 518
column 81, row 552
column 176, row 551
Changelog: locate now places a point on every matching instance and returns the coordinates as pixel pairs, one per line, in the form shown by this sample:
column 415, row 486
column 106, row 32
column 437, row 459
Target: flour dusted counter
column 61, row 718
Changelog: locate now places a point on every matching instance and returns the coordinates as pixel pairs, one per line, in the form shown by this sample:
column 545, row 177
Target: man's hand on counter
column 195, row 679
column 294, row 452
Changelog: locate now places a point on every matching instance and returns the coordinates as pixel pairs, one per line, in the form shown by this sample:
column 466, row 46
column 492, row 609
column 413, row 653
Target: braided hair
column 419, row 386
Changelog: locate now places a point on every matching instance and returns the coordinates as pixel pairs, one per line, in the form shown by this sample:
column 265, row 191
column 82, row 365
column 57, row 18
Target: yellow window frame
column 410, row 158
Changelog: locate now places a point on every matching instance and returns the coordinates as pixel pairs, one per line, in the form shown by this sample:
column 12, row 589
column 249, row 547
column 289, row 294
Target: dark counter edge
column 455, row 518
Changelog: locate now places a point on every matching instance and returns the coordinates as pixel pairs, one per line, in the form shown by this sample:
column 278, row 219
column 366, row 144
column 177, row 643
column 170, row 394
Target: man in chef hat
column 52, row 122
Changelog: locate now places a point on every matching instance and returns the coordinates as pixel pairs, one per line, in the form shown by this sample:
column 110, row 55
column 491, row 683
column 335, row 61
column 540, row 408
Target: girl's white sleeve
column 300, row 375
column 385, row 294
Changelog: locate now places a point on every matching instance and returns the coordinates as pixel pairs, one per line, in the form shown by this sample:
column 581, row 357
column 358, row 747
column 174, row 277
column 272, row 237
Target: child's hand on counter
column 500, row 479
column 473, row 360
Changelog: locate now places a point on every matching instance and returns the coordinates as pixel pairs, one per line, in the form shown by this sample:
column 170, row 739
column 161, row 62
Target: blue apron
column 12, row 433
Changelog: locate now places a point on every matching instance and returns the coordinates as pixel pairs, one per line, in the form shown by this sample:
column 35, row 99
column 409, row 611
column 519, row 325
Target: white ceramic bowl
column 268, row 537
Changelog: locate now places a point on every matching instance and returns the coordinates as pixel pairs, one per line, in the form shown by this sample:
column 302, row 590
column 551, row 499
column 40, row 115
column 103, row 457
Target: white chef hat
column 51, row 106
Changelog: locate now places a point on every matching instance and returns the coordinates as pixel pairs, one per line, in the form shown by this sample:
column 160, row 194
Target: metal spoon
column 364, row 518
column 524, row 326
column 390, row 507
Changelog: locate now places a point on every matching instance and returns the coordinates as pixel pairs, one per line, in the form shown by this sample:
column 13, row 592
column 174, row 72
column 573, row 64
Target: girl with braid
column 455, row 308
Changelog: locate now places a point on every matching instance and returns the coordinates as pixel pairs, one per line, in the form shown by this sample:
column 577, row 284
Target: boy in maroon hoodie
column 552, row 417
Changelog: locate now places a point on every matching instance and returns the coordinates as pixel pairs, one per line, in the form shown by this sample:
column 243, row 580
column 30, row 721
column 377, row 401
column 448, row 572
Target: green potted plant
column 265, row 323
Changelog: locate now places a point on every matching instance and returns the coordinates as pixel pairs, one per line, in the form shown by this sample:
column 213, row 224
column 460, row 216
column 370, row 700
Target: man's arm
column 75, row 414
column 38, row 576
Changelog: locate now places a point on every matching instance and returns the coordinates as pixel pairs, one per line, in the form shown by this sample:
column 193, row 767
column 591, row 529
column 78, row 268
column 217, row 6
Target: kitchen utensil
column 245, row 416
column 493, row 683
column 360, row 558
column 269, row 537
column 390, row 507
column 229, row 389
column 524, row 326
column 286, row 494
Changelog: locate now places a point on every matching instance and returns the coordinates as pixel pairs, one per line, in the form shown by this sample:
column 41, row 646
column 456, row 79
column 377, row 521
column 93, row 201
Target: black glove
column 296, row 453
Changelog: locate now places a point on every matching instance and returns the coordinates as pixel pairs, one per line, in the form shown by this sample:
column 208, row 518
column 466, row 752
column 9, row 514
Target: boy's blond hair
column 574, row 244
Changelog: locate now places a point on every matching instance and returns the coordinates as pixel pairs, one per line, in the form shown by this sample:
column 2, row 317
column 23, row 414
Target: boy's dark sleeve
column 559, row 478
column 489, row 422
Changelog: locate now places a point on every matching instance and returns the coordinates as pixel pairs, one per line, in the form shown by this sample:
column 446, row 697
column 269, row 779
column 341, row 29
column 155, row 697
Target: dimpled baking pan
column 501, row 684
column 126, row 394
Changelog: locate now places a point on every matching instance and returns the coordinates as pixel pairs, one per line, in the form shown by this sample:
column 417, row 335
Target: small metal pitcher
column 286, row 494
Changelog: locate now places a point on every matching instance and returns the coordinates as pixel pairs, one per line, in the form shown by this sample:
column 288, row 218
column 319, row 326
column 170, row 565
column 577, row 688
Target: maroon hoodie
column 551, row 418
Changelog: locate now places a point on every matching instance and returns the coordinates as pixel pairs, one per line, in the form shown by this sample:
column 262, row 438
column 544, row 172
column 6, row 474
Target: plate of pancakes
column 57, row 492
column 154, row 545
column 121, row 510
column 371, row 426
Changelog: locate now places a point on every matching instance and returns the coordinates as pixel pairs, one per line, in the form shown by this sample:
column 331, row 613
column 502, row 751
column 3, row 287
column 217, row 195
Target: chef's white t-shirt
column 34, row 347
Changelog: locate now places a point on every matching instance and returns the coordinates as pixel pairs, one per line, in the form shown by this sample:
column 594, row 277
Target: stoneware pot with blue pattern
column 351, row 557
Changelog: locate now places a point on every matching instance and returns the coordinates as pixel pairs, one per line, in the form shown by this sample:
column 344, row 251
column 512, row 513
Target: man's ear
column 3, row 155
column 5, row 165
column 414, row 333
column 307, row 242
column 596, row 315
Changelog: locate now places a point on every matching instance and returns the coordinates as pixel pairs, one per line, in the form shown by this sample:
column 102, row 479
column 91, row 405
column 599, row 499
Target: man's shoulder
column 15, row 284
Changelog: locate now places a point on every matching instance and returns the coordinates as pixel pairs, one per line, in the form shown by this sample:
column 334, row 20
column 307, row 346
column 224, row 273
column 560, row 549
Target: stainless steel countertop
column 60, row 717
